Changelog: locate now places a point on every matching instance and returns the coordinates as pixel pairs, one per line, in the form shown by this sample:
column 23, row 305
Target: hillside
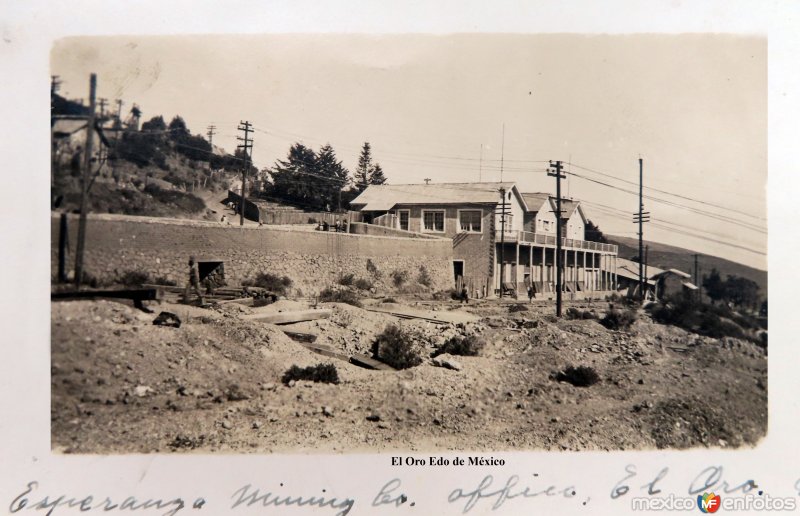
column 670, row 257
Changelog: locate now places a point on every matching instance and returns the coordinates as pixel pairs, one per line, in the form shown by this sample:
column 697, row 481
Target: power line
column 680, row 196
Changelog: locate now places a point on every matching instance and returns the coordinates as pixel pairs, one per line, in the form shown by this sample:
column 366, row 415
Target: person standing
column 194, row 281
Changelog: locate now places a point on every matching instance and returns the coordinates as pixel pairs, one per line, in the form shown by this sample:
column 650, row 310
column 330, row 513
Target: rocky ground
column 121, row 384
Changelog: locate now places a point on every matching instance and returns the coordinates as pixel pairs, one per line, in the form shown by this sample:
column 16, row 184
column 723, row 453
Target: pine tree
column 377, row 177
column 364, row 168
column 334, row 177
column 294, row 178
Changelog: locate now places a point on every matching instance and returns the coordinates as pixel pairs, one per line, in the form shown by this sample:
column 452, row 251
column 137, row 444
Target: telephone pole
column 55, row 83
column 697, row 277
column 210, row 133
column 87, row 163
column 247, row 128
column 102, row 103
column 555, row 171
column 503, row 212
column 646, row 275
column 641, row 218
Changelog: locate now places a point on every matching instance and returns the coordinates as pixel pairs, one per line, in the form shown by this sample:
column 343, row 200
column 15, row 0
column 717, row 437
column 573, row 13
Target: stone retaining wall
column 161, row 247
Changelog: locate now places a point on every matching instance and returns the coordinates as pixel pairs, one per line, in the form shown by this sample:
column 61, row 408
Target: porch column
column 541, row 272
column 516, row 270
column 585, row 278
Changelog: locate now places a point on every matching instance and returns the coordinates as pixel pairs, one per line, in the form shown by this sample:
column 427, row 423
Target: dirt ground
column 123, row 385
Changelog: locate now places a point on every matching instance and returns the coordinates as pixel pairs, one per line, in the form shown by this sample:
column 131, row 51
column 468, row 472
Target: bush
column 348, row 296
column 161, row 280
column 710, row 320
column 517, row 308
column 618, row 320
column 312, row 220
column 469, row 346
column 573, row 313
column 388, row 300
column 271, row 282
column 424, row 278
column 134, row 278
column 399, row 278
column 396, row 348
column 363, row 284
column 373, row 269
column 324, row 373
column 347, row 280
column 581, row 376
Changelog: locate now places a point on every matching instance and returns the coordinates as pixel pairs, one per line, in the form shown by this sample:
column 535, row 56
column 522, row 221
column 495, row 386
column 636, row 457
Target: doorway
column 458, row 274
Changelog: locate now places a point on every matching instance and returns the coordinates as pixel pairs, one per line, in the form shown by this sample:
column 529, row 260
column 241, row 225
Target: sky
column 454, row 107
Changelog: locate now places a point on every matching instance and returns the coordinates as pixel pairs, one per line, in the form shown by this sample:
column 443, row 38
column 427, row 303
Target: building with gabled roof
column 503, row 239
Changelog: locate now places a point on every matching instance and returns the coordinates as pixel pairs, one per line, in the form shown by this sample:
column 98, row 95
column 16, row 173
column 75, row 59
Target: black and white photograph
column 365, row 243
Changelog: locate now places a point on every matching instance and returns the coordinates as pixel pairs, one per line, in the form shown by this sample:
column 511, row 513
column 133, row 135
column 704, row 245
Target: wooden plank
column 300, row 336
column 325, row 351
column 288, row 317
column 370, row 363
column 403, row 315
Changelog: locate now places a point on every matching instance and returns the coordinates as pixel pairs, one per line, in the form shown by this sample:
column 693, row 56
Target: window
column 470, row 220
column 433, row 221
column 546, row 225
column 402, row 219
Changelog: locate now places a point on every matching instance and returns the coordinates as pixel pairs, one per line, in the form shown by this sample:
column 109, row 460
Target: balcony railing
column 567, row 243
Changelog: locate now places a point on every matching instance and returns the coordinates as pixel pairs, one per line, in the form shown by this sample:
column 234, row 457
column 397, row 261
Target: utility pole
column 119, row 112
column 646, row 275
column 87, row 163
column 210, row 133
column 641, row 218
column 247, row 128
column 503, row 212
column 697, row 277
column 427, row 180
column 55, row 83
column 102, row 103
column 555, row 171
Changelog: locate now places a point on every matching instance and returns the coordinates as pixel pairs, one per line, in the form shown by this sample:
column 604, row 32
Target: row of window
column 433, row 220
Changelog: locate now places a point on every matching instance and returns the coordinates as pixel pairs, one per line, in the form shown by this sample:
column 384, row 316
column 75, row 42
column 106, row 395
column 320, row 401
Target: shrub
column 712, row 321
column 574, row 313
column 517, row 308
column 469, row 346
column 424, row 278
column 373, row 269
column 324, row 373
column 363, row 284
column 271, row 282
column 388, row 300
column 161, row 280
column 581, row 376
column 399, row 277
column 347, row 280
column 312, row 220
column 618, row 319
column 134, row 278
column 348, row 296
column 396, row 348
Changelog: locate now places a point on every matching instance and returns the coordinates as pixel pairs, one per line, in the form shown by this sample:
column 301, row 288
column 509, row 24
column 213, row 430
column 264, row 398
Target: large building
column 493, row 251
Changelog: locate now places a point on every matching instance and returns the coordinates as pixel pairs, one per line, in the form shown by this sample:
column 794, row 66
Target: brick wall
column 161, row 247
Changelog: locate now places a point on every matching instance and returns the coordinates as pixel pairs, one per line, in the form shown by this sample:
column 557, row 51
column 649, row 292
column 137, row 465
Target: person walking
column 193, row 282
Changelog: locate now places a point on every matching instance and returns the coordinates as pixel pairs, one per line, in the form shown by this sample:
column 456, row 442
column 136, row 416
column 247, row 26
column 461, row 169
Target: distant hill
column 670, row 257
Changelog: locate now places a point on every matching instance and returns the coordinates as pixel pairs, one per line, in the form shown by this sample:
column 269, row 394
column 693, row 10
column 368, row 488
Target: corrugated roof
column 384, row 197
column 630, row 269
